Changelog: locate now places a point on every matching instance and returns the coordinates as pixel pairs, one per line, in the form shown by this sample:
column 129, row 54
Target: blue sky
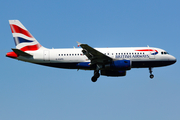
column 34, row 92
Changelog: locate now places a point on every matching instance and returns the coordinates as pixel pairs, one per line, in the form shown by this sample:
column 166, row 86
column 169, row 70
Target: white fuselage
column 75, row 56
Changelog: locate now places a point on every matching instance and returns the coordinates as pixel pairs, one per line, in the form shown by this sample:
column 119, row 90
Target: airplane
column 113, row 62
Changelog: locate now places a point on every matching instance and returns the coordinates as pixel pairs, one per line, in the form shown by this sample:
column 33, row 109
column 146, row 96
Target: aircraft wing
column 94, row 55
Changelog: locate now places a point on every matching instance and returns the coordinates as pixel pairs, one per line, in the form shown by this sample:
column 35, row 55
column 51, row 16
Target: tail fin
column 22, row 37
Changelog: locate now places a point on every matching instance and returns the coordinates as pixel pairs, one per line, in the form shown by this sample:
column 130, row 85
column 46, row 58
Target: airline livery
column 103, row 61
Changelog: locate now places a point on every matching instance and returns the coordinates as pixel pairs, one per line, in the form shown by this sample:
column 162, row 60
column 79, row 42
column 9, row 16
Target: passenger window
column 162, row 53
column 64, row 54
column 61, row 54
column 72, row 54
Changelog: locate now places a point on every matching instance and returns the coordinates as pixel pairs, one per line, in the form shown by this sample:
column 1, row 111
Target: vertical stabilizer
column 22, row 37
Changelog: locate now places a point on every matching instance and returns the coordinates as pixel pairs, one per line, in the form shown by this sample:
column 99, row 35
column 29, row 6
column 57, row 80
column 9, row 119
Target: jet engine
column 119, row 65
column 113, row 73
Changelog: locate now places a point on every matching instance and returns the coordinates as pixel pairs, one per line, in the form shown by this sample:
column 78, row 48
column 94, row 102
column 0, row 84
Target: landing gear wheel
column 96, row 73
column 151, row 76
column 94, row 79
column 150, row 71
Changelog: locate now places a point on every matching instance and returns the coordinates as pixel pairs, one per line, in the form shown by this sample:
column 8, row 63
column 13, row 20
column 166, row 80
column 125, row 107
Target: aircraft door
column 46, row 55
column 151, row 55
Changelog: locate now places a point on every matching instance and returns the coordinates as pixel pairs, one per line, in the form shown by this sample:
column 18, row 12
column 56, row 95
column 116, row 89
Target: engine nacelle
column 119, row 65
column 113, row 73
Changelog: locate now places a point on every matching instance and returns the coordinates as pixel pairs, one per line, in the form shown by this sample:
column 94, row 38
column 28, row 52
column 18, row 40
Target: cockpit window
column 164, row 53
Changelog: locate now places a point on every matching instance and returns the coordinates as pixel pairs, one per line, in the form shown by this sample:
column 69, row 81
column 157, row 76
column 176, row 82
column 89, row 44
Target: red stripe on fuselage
column 17, row 29
column 145, row 50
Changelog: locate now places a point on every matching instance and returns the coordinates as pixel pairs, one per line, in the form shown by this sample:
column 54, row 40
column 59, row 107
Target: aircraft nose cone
column 173, row 59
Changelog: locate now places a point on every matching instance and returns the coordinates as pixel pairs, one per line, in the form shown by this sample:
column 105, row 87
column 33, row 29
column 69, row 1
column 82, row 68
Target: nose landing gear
column 151, row 75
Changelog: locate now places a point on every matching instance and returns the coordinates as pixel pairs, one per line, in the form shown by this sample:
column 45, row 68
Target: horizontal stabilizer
column 21, row 53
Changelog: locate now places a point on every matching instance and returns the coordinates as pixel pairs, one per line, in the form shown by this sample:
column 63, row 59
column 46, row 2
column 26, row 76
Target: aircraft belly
column 144, row 64
column 67, row 65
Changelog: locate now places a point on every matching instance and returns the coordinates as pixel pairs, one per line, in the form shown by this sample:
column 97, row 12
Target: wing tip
column 78, row 43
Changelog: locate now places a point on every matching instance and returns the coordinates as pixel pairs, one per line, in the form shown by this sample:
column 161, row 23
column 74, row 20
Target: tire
column 151, row 76
column 94, row 79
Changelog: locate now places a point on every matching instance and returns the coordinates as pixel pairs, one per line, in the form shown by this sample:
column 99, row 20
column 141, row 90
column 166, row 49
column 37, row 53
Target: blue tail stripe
column 20, row 40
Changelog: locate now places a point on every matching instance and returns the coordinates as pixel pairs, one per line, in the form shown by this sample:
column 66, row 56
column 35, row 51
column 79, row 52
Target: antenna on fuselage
column 147, row 45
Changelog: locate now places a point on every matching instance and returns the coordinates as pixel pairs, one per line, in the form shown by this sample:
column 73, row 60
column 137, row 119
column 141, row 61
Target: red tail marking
column 31, row 47
column 17, row 29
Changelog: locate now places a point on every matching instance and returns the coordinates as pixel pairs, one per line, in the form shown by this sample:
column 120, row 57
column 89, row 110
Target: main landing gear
column 96, row 73
column 151, row 75
column 96, row 76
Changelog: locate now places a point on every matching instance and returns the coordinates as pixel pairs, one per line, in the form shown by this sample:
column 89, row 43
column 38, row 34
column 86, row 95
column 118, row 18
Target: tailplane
column 24, row 41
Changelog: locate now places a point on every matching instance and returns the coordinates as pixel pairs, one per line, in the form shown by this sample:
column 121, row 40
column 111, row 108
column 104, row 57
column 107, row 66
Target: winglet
column 78, row 43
